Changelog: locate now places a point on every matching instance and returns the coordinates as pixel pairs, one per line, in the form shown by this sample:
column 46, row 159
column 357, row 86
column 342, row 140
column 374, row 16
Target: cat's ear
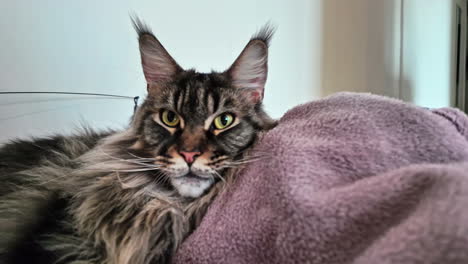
column 249, row 71
column 158, row 66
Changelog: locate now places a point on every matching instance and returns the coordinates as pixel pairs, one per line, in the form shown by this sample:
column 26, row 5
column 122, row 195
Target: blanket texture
column 352, row 178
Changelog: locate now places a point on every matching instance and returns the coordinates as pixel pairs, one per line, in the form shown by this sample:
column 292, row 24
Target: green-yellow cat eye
column 223, row 121
column 170, row 118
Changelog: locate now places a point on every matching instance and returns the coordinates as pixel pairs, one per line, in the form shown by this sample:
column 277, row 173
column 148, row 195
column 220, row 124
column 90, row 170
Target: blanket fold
column 352, row 178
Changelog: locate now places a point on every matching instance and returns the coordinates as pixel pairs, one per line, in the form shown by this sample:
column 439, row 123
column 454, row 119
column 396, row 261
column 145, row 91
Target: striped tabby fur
column 132, row 196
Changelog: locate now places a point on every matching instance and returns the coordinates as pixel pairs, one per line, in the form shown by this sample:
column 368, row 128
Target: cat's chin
column 191, row 186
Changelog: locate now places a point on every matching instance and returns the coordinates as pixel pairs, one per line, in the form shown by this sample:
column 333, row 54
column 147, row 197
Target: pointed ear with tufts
column 158, row 66
column 249, row 72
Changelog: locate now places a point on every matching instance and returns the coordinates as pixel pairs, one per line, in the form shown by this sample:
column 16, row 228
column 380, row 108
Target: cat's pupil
column 171, row 116
column 224, row 120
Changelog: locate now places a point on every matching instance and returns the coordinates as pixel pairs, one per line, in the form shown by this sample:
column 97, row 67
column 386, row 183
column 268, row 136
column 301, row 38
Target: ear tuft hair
column 140, row 27
column 158, row 65
column 265, row 34
column 249, row 71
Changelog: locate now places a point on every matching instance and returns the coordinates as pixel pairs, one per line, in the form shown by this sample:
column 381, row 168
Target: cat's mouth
column 191, row 184
column 193, row 177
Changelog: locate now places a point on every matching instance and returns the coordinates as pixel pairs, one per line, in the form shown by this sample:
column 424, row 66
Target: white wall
column 90, row 46
column 321, row 47
column 427, row 48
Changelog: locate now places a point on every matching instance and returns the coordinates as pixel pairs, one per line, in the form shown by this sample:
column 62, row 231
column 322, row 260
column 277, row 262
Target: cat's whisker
column 217, row 161
column 138, row 157
column 124, row 160
column 138, row 162
column 228, row 167
column 236, row 164
column 133, row 162
column 136, row 170
column 106, row 166
column 242, row 162
column 124, row 185
column 159, row 178
column 252, row 158
column 219, row 176
column 99, row 170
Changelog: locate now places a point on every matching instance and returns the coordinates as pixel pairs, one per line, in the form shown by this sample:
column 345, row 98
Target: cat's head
column 196, row 125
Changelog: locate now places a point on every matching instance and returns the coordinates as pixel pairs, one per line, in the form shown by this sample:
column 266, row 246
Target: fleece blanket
column 352, row 178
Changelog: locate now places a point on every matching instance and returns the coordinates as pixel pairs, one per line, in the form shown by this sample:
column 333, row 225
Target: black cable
column 135, row 101
column 135, row 98
column 72, row 93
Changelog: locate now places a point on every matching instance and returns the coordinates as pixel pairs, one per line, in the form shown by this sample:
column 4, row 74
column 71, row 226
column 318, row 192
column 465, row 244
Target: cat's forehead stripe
column 187, row 96
column 216, row 99
column 201, row 96
column 179, row 100
column 210, row 103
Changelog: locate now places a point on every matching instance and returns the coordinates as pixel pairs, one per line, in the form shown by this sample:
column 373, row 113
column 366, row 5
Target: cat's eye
column 223, row 121
column 170, row 118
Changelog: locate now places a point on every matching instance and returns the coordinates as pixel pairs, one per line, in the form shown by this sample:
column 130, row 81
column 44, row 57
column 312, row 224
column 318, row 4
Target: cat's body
column 132, row 196
column 48, row 178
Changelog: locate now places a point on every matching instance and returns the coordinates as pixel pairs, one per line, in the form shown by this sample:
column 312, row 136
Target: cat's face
column 197, row 125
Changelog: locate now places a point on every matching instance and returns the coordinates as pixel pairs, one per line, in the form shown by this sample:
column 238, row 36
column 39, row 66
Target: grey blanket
column 352, row 178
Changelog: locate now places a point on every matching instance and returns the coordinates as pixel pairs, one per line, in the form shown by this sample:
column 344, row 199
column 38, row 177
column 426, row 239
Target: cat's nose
column 189, row 156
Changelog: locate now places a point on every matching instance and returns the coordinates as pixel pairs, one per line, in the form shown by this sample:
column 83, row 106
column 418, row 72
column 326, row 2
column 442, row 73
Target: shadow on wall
column 361, row 46
column 407, row 94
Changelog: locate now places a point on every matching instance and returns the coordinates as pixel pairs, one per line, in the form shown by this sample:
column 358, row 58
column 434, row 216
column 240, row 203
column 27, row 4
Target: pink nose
column 189, row 156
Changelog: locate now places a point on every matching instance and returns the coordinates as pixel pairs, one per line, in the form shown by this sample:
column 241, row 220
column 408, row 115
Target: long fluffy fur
column 106, row 210
column 87, row 199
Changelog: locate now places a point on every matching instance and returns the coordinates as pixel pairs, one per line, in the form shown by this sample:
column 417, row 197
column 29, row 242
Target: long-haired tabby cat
column 132, row 196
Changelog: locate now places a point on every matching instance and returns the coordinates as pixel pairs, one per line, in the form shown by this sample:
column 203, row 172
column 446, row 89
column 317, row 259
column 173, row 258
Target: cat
column 132, row 196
